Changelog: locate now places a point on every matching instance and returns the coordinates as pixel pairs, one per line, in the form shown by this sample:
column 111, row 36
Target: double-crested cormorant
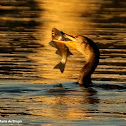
column 91, row 53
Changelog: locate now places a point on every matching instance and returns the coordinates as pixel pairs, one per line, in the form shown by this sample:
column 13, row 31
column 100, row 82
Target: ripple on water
column 26, row 58
column 66, row 101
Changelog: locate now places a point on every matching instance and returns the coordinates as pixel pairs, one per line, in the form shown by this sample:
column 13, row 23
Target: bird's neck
column 89, row 67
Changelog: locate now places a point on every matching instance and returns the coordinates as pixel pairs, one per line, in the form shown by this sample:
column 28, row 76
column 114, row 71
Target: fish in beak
column 62, row 49
column 71, row 42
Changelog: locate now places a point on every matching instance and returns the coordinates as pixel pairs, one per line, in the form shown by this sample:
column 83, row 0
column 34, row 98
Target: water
column 35, row 93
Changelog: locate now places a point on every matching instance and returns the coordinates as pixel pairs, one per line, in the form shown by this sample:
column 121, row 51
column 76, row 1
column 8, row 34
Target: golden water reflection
column 86, row 18
column 26, row 31
column 69, row 106
column 56, row 103
column 64, row 104
column 66, row 16
column 25, row 55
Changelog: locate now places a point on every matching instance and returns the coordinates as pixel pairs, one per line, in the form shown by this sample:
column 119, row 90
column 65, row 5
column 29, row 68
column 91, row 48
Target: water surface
column 32, row 91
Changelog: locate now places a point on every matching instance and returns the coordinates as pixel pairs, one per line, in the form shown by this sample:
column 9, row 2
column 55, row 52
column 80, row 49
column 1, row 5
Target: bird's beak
column 71, row 43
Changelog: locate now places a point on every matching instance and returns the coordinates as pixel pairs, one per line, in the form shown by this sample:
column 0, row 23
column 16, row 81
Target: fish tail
column 60, row 66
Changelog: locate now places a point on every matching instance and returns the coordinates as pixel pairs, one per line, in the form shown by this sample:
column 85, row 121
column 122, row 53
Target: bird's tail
column 60, row 66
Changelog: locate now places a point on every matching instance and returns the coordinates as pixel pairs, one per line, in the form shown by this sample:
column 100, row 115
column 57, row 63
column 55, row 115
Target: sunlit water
column 32, row 91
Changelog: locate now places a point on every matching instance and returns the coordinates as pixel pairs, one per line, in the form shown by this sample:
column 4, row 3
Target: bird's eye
column 62, row 32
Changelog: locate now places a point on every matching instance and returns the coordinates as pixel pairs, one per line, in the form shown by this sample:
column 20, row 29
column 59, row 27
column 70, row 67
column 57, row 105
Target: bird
column 90, row 51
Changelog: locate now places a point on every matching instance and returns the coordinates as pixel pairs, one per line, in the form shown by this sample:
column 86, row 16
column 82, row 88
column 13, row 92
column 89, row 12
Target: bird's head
column 72, row 40
column 77, row 42
column 83, row 44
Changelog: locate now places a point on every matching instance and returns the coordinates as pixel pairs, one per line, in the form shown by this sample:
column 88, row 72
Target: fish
column 62, row 49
